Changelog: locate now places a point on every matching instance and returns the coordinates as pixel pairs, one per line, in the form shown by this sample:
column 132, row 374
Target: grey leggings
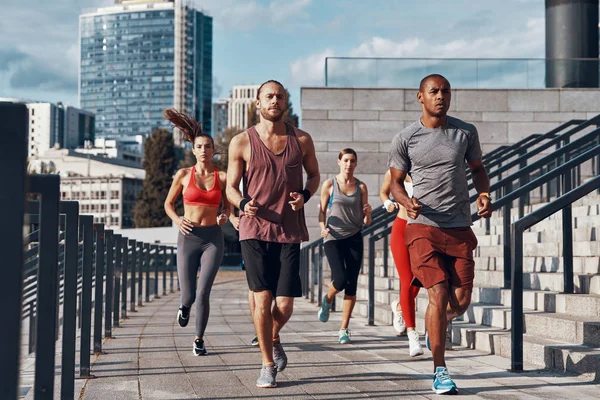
column 203, row 248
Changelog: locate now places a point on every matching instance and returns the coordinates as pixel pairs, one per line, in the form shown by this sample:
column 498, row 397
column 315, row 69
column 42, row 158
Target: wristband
column 243, row 203
column 387, row 203
column 306, row 194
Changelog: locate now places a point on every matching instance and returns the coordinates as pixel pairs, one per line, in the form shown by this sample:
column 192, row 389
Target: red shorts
column 441, row 254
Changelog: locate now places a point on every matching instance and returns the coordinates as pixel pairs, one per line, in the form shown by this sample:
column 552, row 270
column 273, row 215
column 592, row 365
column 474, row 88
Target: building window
column 102, row 207
column 33, row 111
column 114, row 194
column 103, row 195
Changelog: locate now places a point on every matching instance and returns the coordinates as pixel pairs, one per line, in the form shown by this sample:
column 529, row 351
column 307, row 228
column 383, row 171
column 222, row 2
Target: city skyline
column 42, row 65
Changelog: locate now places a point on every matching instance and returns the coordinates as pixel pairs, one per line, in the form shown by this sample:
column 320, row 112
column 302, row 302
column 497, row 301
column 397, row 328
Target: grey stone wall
column 368, row 119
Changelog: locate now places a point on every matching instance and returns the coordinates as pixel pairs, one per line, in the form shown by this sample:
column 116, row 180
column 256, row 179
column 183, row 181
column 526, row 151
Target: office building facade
column 239, row 102
column 139, row 58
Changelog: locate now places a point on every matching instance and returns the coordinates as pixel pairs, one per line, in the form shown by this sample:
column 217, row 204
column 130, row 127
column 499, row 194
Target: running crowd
column 426, row 185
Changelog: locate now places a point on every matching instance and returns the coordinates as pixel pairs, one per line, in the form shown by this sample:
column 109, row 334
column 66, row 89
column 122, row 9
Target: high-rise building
column 56, row 126
column 139, row 58
column 220, row 116
column 239, row 102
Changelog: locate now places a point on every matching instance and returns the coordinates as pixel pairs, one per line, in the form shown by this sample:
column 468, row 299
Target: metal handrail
column 564, row 137
column 563, row 202
column 505, row 202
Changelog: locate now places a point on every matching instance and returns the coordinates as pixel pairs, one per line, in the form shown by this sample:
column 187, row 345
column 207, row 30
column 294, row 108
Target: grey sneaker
column 279, row 356
column 267, row 376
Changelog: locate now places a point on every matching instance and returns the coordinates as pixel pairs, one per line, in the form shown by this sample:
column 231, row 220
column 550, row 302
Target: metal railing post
column 99, row 289
column 108, row 300
column 141, row 260
column 171, row 257
column 156, row 258
column 86, row 229
column 124, row 274
column 146, row 263
column 371, row 304
column 517, row 298
column 320, row 272
column 118, row 271
column 47, row 289
column 132, row 264
column 163, row 263
column 506, row 211
column 13, row 158
column 313, row 271
column 69, row 336
column 567, row 233
column 386, row 243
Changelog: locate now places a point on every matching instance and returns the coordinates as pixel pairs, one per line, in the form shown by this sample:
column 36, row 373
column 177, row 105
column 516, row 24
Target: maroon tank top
column 269, row 180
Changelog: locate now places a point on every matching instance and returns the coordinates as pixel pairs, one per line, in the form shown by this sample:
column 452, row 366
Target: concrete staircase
column 562, row 331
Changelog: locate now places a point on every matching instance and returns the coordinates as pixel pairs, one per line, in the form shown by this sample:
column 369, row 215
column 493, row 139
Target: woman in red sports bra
column 200, row 240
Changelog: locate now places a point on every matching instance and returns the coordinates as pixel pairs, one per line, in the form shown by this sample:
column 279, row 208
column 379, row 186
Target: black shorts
column 272, row 266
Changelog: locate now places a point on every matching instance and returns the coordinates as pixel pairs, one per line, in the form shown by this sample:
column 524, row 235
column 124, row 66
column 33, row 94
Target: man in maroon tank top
column 269, row 158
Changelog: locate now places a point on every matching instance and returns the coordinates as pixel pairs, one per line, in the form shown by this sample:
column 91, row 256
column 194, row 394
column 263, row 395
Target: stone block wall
column 368, row 119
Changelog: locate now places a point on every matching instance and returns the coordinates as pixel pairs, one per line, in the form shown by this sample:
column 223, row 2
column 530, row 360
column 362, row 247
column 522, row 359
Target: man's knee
column 460, row 300
column 438, row 294
column 285, row 305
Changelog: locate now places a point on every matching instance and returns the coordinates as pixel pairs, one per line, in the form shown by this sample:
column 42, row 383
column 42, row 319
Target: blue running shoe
column 442, row 383
column 323, row 313
column 427, row 343
column 344, row 336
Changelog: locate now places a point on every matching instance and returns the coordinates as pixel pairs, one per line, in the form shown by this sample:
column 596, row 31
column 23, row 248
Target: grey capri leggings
column 201, row 249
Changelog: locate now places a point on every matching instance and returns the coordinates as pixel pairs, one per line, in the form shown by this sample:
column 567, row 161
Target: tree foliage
column 222, row 147
column 159, row 163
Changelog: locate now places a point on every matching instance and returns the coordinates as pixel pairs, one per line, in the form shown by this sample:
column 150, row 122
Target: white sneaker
column 398, row 319
column 414, row 345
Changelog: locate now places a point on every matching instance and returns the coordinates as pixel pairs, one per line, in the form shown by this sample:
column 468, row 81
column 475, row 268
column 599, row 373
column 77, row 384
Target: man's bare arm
column 235, row 169
column 310, row 163
column 397, row 186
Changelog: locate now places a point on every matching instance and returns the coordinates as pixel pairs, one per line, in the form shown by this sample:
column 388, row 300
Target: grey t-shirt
column 435, row 159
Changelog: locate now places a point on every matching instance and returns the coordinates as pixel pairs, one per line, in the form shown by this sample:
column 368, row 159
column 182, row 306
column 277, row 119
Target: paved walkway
column 151, row 358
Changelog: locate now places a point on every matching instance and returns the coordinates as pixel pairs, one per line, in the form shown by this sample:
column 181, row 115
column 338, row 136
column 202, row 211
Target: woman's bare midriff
column 201, row 215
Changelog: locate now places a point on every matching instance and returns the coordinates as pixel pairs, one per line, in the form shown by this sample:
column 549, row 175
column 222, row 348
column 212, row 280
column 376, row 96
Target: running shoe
column 255, row 341
column 398, row 319
column 199, row 349
column 344, row 336
column 183, row 316
column 268, row 373
column 414, row 346
column 279, row 356
column 323, row 313
column 442, row 383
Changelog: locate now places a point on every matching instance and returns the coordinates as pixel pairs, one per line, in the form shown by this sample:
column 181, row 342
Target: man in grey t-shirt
column 438, row 235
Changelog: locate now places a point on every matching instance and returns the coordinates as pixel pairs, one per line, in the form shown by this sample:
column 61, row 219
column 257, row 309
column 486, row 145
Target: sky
column 286, row 40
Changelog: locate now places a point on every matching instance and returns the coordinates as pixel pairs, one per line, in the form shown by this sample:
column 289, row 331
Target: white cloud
column 246, row 16
column 310, row 71
column 528, row 42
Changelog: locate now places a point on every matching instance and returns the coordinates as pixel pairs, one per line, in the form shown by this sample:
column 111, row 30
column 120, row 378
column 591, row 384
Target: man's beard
column 273, row 118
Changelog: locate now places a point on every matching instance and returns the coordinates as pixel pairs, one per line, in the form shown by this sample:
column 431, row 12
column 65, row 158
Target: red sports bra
column 194, row 196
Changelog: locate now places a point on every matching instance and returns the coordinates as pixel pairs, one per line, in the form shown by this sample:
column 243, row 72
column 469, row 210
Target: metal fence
column 63, row 272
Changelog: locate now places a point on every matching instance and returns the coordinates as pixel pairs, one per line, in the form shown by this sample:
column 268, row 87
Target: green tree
column 159, row 163
column 288, row 116
column 222, row 147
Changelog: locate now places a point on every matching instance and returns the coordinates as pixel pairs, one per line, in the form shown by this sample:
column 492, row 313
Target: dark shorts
column 441, row 254
column 272, row 266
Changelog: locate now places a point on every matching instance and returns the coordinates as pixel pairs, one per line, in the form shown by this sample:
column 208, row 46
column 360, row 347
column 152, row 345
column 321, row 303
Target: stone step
column 581, row 265
column 545, row 353
column 547, row 224
column 563, row 327
column 552, row 249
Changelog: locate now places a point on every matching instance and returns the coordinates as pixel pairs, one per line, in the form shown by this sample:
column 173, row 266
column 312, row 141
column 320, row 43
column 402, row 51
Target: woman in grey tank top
column 343, row 212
